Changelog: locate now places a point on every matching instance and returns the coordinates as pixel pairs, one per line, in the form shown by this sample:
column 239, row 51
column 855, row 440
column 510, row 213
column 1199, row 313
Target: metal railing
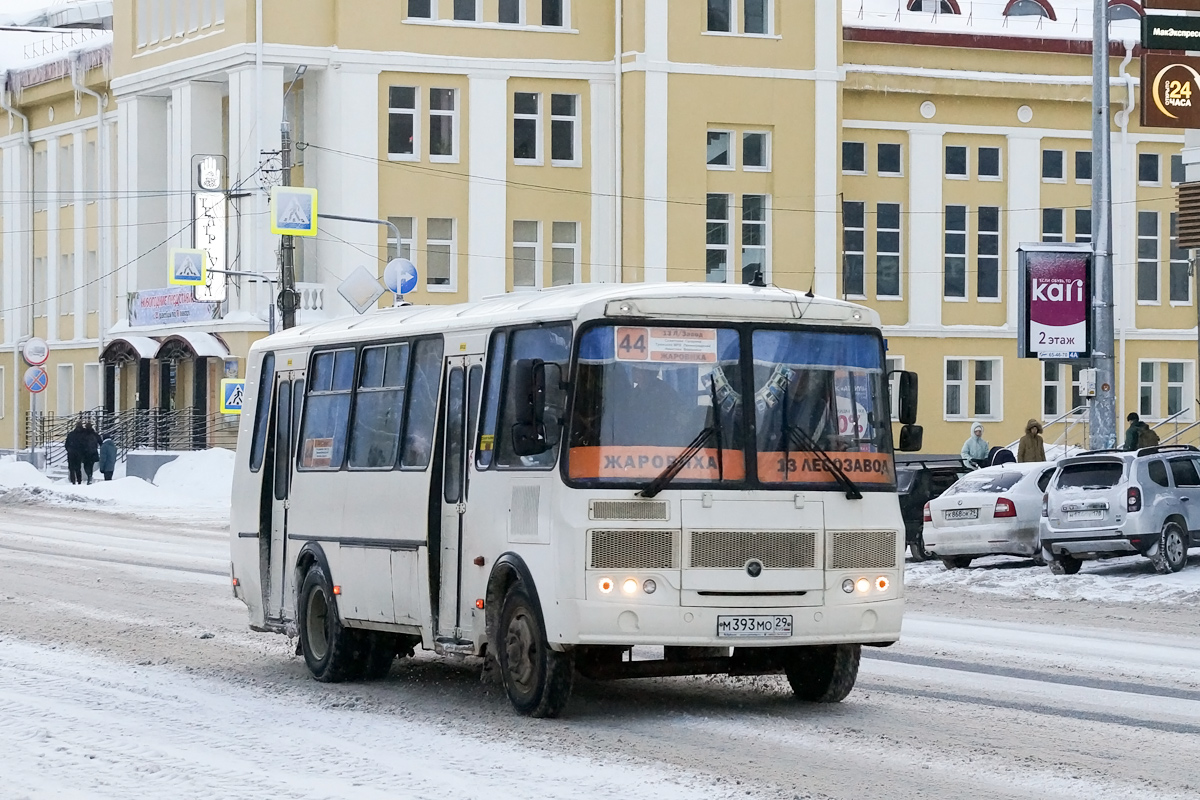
column 1076, row 416
column 134, row 429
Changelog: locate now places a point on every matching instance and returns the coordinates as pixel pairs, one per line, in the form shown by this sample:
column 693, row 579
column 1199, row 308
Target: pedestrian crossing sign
column 232, row 392
column 293, row 211
column 188, row 267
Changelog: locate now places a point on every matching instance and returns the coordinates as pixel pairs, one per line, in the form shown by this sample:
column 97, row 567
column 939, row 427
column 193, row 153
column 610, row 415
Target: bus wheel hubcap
column 318, row 614
column 520, row 644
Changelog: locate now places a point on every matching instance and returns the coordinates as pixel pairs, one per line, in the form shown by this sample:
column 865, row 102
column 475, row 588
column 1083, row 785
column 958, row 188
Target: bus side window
column 379, row 407
column 422, row 403
column 327, row 411
column 552, row 344
column 491, row 400
column 262, row 411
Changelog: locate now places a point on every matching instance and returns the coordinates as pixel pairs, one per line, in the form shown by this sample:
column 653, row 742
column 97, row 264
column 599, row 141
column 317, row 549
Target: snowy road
column 126, row 669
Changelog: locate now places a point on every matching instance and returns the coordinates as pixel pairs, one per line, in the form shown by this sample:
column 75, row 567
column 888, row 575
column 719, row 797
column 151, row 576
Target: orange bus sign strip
column 804, row 467
column 648, row 462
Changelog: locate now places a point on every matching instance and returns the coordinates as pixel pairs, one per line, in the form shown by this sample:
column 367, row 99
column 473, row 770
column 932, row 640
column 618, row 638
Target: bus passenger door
column 287, row 394
column 460, row 409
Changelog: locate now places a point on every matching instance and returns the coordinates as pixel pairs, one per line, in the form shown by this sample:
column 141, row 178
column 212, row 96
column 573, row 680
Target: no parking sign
column 36, row 379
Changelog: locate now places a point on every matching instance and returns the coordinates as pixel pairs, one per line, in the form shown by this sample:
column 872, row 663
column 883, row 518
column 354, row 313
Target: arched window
column 1029, row 8
column 944, row 6
column 1124, row 9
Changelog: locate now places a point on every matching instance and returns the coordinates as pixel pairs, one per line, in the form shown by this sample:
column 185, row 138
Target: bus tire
column 536, row 679
column 379, row 654
column 333, row 652
column 823, row 673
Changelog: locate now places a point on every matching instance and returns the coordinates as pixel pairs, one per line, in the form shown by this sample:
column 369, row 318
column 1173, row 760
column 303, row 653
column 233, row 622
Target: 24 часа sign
column 1055, row 301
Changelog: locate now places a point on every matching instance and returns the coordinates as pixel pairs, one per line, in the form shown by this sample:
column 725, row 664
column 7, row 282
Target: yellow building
column 892, row 153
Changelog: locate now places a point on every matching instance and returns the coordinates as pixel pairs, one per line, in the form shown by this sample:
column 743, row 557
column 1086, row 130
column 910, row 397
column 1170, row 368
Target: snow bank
column 15, row 474
column 208, row 473
column 1121, row 580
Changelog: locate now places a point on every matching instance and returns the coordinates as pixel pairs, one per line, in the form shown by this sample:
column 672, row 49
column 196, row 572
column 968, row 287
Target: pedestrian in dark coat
column 76, row 443
column 1032, row 447
column 108, row 457
column 91, row 450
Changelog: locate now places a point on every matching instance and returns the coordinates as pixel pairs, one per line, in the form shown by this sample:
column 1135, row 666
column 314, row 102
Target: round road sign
column 400, row 276
column 35, row 352
column 36, row 379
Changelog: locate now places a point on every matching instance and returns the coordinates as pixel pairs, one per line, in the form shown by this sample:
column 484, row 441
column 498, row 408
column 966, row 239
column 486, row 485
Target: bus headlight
column 606, row 585
column 848, row 586
column 863, row 585
column 649, row 587
column 629, row 586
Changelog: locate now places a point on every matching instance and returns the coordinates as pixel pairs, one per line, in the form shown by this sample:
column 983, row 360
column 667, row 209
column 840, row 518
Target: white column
column 17, row 239
column 1024, row 203
column 654, row 258
column 78, row 301
column 925, row 217
column 825, row 155
column 53, row 303
column 347, row 173
column 601, row 244
column 142, row 205
column 487, row 200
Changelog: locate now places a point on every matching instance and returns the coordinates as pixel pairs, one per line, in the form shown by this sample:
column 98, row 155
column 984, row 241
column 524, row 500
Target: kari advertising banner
column 1055, row 301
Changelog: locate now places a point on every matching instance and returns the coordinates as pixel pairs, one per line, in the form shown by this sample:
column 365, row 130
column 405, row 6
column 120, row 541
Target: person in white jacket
column 975, row 449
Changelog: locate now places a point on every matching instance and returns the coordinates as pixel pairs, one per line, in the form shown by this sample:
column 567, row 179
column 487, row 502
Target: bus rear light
column 928, row 515
column 882, row 583
column 606, row 585
column 1004, row 509
column 863, row 585
column 649, row 587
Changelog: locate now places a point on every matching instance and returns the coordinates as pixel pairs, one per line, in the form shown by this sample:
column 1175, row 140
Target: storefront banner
column 169, row 307
column 1056, row 302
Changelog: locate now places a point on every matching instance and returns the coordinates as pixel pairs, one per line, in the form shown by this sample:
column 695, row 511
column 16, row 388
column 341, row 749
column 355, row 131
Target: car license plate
column 1091, row 513
column 961, row 513
column 756, row 625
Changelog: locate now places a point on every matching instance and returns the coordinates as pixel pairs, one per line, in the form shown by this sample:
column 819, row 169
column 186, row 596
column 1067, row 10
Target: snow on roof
column 48, row 13
column 984, row 17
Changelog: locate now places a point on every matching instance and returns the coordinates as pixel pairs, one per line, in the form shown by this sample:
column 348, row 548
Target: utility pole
column 1103, row 423
column 289, row 298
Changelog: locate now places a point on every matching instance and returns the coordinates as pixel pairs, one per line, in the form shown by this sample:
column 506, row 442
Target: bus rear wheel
column 537, row 680
column 333, row 652
column 823, row 673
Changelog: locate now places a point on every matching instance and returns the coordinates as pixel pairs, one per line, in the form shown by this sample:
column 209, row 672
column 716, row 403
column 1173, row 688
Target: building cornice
column 980, row 41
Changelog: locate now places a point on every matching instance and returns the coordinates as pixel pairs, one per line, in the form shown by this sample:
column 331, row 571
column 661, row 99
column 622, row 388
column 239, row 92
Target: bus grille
column 732, row 549
column 629, row 510
column 634, row 549
column 862, row 549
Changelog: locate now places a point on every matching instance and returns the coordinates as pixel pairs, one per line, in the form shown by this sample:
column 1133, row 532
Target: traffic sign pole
column 1103, row 422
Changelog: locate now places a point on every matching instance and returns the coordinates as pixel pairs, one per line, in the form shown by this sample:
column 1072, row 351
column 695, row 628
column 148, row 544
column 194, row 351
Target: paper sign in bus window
column 318, row 453
column 677, row 345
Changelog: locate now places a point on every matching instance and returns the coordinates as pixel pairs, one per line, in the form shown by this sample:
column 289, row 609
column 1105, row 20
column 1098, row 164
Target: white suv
column 1115, row 503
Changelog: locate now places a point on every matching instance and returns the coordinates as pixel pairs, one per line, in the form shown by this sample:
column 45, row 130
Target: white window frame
column 474, row 17
column 1171, row 168
column 91, row 386
column 1157, row 261
column 980, row 256
column 566, row 19
column 1158, row 160
column 968, row 386
column 962, row 383
column 765, row 224
column 965, row 232
column 433, row 12
column 737, row 21
column 966, row 173
column 1055, row 383
column 842, row 156
column 727, row 222
column 1062, row 226
column 1152, row 384
column 899, row 253
column 1086, row 237
column 733, row 26
column 64, row 391
column 395, row 246
column 521, row 17
column 453, row 243
column 995, row 388
column 1172, row 262
column 732, row 165
column 879, row 171
column 766, row 151
column 525, row 244
column 770, row 20
column 415, row 113
column 1062, row 154
column 576, row 121
column 894, row 364
column 863, row 252
column 575, row 248
column 453, row 158
column 1075, row 168
column 1187, row 403
column 538, row 137
column 999, row 176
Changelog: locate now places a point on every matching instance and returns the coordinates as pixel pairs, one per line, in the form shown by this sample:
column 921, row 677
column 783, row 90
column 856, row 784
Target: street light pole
column 1103, row 423
column 289, row 298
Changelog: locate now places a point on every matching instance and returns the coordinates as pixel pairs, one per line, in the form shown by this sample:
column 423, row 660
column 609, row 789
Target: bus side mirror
column 908, row 398
column 911, row 438
column 529, row 406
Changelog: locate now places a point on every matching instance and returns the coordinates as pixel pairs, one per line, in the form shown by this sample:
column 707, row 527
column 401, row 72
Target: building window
column 720, row 150
column 41, row 181
column 854, row 157
column 90, row 172
column 65, row 390
column 1083, row 166
column 716, row 266
column 402, row 122
column 404, row 247
column 720, row 16
column 889, row 159
column 887, row 250
column 527, row 254
column 442, row 130
column 91, row 282
column 1180, row 278
column 564, row 129
column 756, row 151
column 854, row 237
column 895, row 365
column 756, row 16
column 1083, row 225
column 66, row 283
column 1148, row 169
column 955, row 281
column 465, row 10
column 955, row 388
column 1178, row 172
column 421, row 9
column 1147, row 250
column 933, row 6
column 755, row 236
column 510, row 12
column 41, row 286
column 1176, row 386
column 565, row 254
column 527, row 125
column 986, row 388
column 1051, row 391
column 553, row 13
column 988, row 254
column 1052, row 224
column 1148, row 389
column 441, row 273
column 1028, row 8
column 1052, row 165
column 956, row 162
column 66, row 174
column 989, row 163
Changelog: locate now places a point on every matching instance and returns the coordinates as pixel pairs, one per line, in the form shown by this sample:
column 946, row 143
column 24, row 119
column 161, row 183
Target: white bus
column 552, row 479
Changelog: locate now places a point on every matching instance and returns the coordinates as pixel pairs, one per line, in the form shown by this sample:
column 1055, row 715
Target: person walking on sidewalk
column 1032, row 447
column 1139, row 433
column 91, row 450
column 108, row 457
column 75, row 443
column 975, row 449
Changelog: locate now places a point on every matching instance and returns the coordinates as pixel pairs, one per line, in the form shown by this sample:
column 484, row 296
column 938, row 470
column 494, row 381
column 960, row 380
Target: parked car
column 1115, row 503
column 918, row 482
column 992, row 511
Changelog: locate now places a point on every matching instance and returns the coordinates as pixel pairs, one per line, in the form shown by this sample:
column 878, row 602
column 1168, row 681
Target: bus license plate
column 754, row 625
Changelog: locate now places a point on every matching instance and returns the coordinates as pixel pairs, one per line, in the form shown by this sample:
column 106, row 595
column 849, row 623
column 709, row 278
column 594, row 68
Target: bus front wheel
column 536, row 679
column 333, row 652
column 823, row 673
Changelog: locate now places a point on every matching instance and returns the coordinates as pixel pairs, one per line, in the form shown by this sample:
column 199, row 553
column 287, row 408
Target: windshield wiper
column 806, row 442
column 675, row 467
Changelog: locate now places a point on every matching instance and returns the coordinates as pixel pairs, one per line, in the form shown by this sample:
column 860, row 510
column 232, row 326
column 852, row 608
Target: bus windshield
column 644, row 394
